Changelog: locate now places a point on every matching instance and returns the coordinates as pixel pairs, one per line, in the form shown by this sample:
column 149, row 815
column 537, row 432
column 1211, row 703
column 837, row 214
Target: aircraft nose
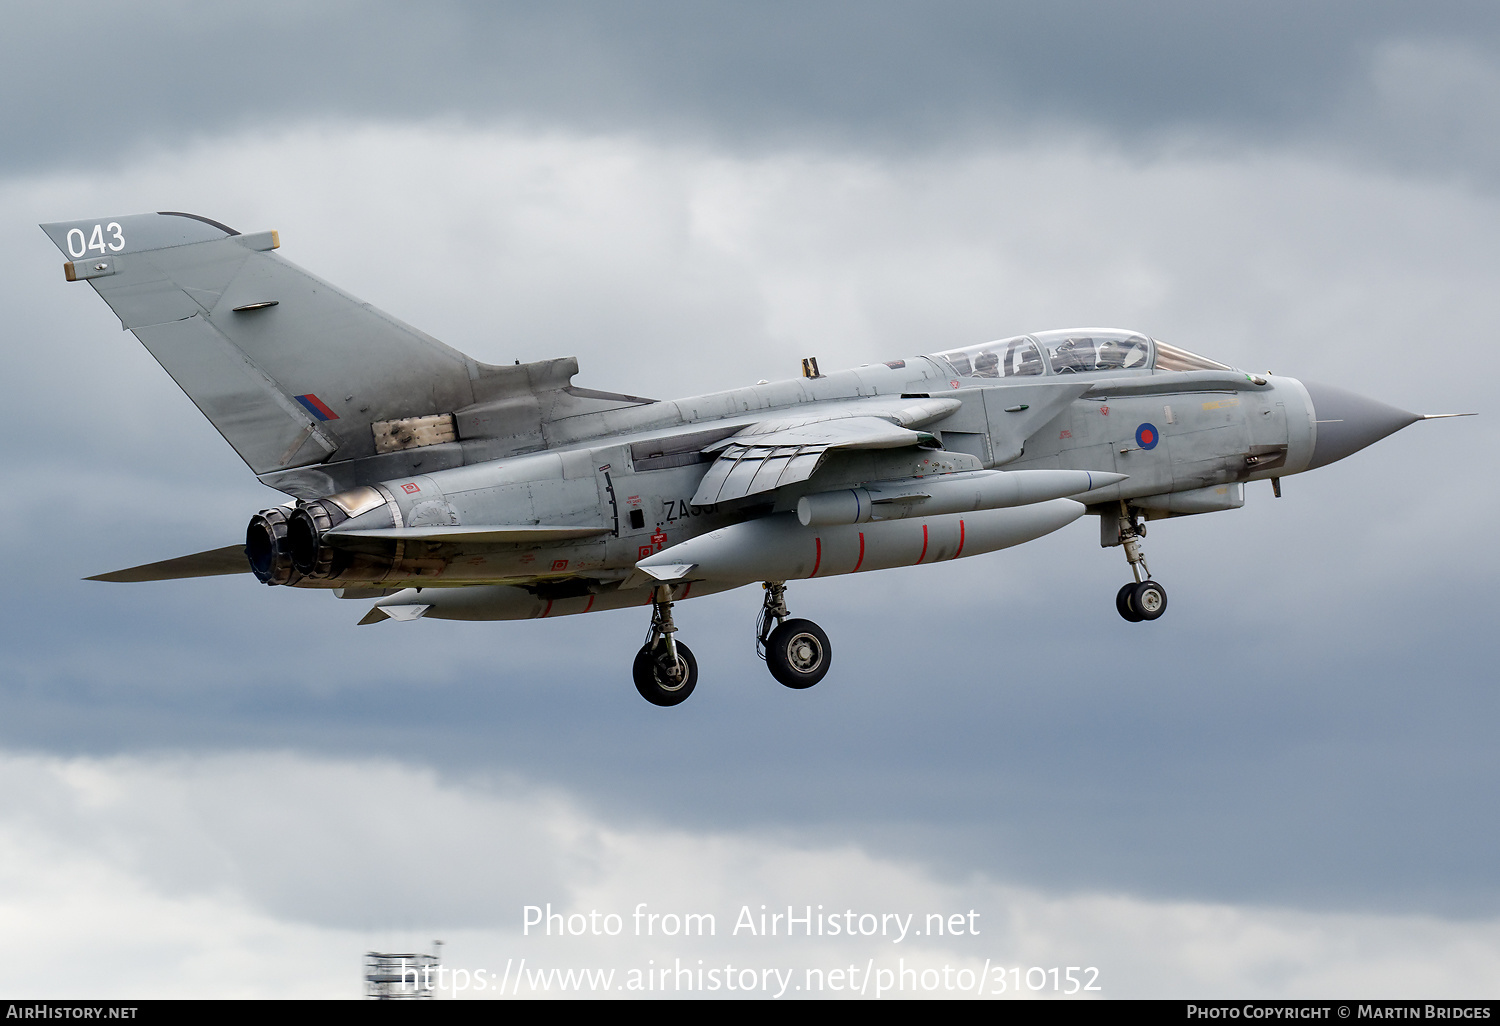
column 1347, row 422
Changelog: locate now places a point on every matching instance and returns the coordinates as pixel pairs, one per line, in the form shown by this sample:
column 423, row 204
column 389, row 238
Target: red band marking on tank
column 960, row 551
column 685, row 589
column 547, row 610
column 861, row 561
column 817, row 562
column 591, row 603
column 924, row 544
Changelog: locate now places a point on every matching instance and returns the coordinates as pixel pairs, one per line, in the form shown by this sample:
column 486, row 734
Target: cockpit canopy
column 1071, row 351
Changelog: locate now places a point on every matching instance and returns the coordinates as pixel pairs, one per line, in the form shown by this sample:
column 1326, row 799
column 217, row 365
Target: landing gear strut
column 1143, row 598
column 665, row 671
column 796, row 652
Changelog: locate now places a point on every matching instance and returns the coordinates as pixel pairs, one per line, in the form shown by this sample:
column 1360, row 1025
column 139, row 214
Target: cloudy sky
column 1285, row 787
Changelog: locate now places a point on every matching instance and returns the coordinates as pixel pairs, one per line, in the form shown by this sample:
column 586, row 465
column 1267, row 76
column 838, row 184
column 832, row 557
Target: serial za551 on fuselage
column 439, row 486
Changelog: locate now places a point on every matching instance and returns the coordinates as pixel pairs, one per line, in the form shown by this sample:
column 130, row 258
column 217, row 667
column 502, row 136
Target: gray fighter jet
column 439, row 486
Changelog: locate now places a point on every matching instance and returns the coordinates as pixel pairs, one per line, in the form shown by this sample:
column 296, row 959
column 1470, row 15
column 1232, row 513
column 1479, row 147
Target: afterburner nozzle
column 266, row 547
column 308, row 525
column 304, row 535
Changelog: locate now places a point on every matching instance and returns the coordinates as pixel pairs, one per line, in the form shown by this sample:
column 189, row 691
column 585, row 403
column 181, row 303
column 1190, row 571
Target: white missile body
column 946, row 493
column 779, row 548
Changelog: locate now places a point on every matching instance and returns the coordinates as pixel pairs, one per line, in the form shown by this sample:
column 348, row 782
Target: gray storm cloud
column 1400, row 85
column 174, row 877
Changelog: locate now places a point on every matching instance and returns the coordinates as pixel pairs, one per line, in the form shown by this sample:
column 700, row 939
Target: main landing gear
column 665, row 671
column 796, row 652
column 1143, row 598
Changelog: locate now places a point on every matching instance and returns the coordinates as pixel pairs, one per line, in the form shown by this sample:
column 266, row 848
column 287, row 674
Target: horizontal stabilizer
column 213, row 563
column 497, row 535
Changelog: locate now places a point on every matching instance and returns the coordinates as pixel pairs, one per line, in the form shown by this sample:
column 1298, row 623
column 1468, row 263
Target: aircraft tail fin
column 292, row 371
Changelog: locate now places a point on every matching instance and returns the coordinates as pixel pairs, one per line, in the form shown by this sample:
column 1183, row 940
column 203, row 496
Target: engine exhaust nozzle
column 266, row 547
column 310, row 554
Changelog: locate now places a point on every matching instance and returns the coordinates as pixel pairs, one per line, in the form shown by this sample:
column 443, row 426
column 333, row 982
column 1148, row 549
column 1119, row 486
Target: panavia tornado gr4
column 438, row 486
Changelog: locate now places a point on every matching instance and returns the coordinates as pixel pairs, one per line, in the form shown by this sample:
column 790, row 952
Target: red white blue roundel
column 1146, row 436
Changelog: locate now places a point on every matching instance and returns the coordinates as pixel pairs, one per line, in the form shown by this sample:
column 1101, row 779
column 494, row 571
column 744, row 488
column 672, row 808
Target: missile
column 946, row 493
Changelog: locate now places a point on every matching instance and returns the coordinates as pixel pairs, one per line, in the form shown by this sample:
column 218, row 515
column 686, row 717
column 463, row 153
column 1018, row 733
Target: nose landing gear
column 1143, row 598
column 796, row 652
column 665, row 671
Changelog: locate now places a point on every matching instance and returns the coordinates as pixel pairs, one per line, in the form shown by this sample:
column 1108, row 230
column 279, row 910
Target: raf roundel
column 1146, row 436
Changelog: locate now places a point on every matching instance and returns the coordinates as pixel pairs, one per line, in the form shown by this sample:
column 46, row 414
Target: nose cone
column 1348, row 422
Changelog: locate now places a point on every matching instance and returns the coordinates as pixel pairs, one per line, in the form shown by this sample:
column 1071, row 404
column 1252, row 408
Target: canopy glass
column 1071, row 351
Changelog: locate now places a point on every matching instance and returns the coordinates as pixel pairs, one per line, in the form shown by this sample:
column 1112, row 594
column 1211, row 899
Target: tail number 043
column 79, row 245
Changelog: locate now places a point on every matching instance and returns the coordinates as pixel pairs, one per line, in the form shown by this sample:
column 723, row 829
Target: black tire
column 1148, row 600
column 798, row 653
column 655, row 684
column 1122, row 603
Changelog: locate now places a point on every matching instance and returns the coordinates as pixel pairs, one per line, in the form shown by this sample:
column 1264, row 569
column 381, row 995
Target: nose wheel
column 665, row 671
column 796, row 651
column 1143, row 598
